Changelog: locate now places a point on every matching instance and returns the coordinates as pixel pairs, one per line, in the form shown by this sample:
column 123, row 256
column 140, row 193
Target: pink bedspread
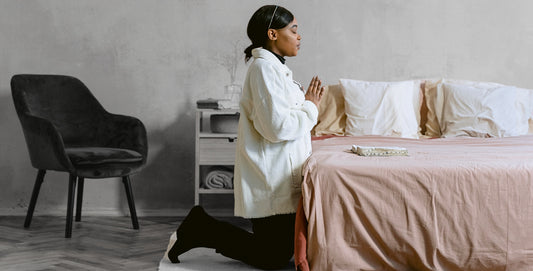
column 452, row 204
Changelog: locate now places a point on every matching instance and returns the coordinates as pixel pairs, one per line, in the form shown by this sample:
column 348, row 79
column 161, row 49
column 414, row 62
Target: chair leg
column 79, row 198
column 70, row 205
column 34, row 195
column 131, row 203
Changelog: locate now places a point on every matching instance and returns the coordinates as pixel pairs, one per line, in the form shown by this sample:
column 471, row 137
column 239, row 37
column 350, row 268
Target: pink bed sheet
column 452, row 204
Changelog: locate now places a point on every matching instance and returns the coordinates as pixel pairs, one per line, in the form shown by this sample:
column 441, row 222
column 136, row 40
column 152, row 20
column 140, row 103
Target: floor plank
column 97, row 243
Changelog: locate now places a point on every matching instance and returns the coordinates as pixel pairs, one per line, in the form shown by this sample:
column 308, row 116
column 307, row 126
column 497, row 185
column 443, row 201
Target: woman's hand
column 315, row 91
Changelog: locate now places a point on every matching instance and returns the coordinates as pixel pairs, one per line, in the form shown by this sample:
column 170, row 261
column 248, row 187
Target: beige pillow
column 477, row 111
column 382, row 108
column 423, row 108
column 331, row 116
column 430, row 96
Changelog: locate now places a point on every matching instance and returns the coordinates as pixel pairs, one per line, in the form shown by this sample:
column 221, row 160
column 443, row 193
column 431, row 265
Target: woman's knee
column 273, row 260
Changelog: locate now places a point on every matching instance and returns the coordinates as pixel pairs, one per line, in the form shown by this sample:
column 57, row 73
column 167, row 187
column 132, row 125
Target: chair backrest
column 63, row 100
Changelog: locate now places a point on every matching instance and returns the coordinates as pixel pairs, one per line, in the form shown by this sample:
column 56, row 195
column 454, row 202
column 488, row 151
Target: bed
column 461, row 200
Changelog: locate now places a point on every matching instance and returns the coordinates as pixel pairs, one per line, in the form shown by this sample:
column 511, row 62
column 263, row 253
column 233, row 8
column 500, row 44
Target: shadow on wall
column 165, row 186
column 17, row 176
column 167, row 181
column 8, row 121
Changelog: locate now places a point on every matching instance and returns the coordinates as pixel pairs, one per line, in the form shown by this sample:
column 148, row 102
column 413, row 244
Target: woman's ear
column 272, row 34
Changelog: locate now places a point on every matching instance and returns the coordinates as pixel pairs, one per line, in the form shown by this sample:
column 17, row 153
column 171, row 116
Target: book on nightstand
column 211, row 103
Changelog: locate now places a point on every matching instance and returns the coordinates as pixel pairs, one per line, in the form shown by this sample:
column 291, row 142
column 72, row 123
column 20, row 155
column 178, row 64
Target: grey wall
column 154, row 59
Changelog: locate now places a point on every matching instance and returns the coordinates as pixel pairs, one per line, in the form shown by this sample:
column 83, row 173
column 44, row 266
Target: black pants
column 270, row 245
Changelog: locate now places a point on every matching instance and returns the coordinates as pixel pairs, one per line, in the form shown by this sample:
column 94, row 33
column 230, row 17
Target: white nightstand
column 212, row 149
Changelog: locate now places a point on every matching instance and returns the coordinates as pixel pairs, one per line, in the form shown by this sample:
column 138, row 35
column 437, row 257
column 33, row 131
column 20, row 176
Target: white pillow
column 432, row 125
column 382, row 108
column 480, row 111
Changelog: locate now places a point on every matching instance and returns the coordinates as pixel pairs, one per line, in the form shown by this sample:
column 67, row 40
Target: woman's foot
column 193, row 232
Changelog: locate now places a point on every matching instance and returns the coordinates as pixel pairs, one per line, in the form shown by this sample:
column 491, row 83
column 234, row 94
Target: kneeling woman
column 274, row 141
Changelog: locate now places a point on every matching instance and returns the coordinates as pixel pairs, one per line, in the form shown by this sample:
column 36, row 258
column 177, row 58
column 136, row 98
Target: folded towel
column 379, row 151
column 218, row 179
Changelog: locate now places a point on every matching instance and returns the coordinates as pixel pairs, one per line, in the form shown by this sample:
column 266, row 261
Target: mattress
column 451, row 204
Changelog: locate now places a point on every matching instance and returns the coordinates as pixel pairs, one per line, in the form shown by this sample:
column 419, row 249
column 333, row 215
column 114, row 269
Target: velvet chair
column 67, row 129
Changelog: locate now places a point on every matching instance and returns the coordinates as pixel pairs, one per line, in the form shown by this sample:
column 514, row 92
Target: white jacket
column 274, row 139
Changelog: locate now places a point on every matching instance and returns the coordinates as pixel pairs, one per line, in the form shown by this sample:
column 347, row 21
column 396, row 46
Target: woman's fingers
column 318, row 86
column 315, row 91
column 315, row 83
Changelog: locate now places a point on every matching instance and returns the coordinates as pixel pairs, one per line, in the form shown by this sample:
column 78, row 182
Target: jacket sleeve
column 274, row 118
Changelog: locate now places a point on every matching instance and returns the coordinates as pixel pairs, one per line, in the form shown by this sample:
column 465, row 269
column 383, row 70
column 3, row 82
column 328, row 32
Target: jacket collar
column 265, row 54
column 270, row 57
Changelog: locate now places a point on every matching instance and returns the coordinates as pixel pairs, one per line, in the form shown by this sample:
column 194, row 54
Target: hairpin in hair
column 274, row 13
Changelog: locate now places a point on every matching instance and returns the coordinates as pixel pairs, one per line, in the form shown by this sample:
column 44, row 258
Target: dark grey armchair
column 67, row 129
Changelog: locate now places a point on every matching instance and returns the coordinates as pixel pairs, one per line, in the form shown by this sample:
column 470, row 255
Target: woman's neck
column 281, row 58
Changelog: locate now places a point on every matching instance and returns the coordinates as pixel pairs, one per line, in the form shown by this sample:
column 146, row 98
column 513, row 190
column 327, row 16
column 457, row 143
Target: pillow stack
column 439, row 108
column 476, row 109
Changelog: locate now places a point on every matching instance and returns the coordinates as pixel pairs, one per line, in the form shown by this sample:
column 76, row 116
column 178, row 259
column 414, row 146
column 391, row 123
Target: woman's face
column 285, row 41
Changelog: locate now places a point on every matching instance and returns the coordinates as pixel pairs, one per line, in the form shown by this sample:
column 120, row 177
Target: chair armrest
column 45, row 144
column 126, row 132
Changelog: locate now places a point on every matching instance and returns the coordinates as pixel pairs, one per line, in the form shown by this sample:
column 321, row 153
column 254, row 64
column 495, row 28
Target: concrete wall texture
column 154, row 59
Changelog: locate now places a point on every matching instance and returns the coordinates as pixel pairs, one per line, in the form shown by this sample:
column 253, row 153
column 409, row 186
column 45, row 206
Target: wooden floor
column 97, row 243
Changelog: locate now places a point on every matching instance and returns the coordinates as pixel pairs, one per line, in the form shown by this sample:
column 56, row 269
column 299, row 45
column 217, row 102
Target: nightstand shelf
column 215, row 191
column 207, row 135
column 212, row 150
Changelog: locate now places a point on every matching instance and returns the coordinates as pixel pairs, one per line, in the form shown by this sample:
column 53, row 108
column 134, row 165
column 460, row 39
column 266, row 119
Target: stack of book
column 211, row 103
